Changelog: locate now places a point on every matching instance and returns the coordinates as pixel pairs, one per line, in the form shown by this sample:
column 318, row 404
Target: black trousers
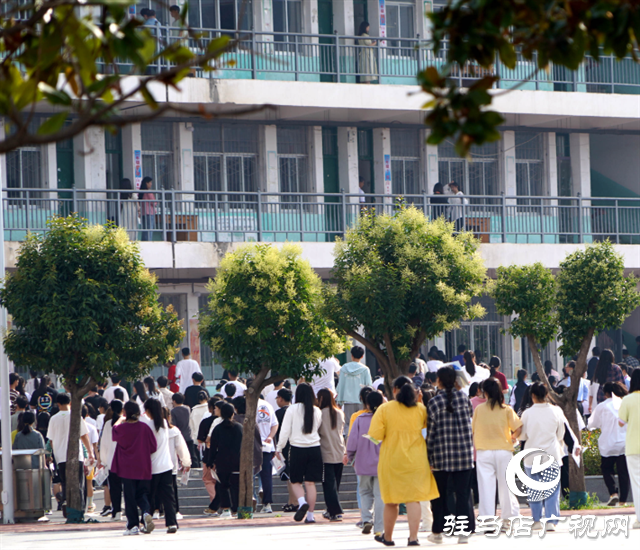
column 331, row 478
column 136, row 495
column 607, row 464
column 62, row 472
column 175, row 491
column 564, row 477
column 115, row 490
column 196, row 461
column 460, row 483
column 227, row 491
column 162, row 489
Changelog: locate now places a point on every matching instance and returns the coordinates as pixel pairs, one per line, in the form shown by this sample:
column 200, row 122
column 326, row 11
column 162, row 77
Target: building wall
column 617, row 158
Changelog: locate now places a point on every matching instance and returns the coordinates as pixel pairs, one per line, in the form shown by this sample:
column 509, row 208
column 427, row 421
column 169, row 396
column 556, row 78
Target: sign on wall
column 387, row 174
column 137, row 167
column 382, row 14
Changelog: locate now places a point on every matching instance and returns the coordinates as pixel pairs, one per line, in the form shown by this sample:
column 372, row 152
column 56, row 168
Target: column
column 375, row 8
column 430, row 163
column 581, row 178
column 344, row 24
column 310, row 18
column 551, row 165
column 268, row 160
column 382, row 161
column 508, row 165
column 316, row 167
column 89, row 160
column 263, row 18
column 193, row 329
column 348, row 162
column 132, row 153
column 49, row 166
column 183, row 155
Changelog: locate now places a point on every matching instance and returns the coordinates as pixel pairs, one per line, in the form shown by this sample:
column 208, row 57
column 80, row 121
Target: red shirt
column 136, row 443
column 502, row 379
column 173, row 386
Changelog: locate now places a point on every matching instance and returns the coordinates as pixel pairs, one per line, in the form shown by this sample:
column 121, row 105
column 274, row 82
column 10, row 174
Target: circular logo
column 546, row 475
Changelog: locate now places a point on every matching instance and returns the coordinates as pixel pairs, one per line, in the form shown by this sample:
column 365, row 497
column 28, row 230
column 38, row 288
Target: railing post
column 425, row 199
column 173, row 216
column 259, row 220
column 344, row 212
column 253, row 55
column 28, row 213
column 337, row 59
column 617, row 224
column 295, row 56
column 379, row 55
column 580, row 228
column 541, row 222
column 301, row 218
column 215, row 216
column 74, row 199
column 504, row 218
column 163, row 217
column 611, row 60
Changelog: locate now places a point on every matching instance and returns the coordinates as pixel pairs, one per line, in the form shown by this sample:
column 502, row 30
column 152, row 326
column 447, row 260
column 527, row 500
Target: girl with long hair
column 107, row 450
column 606, row 371
column 476, row 372
column 140, row 393
column 161, row 464
column 450, row 451
column 495, row 427
column 520, row 387
column 405, row 474
column 333, row 451
column 494, row 372
column 29, row 437
column 152, row 391
column 629, row 415
column 300, row 428
column 147, row 208
column 367, row 60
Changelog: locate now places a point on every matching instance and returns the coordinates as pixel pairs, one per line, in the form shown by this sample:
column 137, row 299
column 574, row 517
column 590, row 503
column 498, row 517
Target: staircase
column 194, row 497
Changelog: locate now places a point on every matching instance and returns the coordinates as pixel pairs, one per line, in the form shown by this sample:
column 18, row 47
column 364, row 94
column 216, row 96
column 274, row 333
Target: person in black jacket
column 191, row 393
column 224, row 453
column 593, row 363
column 203, row 433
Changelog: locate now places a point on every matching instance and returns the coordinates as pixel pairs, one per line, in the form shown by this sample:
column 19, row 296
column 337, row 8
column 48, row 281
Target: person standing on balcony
column 128, row 210
column 439, row 200
column 456, row 213
column 367, row 61
column 147, row 208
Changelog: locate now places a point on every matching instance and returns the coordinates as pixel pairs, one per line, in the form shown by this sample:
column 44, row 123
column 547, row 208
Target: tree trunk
column 245, row 510
column 577, row 482
column 75, row 508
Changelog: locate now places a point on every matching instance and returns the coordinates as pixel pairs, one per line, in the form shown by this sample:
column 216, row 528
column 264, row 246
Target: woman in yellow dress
column 403, row 469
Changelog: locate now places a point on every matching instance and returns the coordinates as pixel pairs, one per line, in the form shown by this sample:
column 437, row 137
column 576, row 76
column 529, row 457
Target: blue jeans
column 550, row 504
column 148, row 222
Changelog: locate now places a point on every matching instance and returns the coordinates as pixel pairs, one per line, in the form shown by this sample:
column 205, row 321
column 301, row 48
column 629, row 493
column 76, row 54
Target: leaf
column 508, row 55
column 53, row 124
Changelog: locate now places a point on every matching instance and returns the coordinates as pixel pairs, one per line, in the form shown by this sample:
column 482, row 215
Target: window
column 405, row 162
column 292, row 161
column 400, row 18
column 529, row 166
column 157, row 154
column 221, row 14
column 225, row 159
column 287, row 17
column 24, row 171
column 113, row 150
column 479, row 176
column 209, row 361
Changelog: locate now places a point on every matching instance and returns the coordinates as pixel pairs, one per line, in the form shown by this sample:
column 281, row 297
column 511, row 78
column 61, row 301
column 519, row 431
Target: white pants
column 492, row 466
column 427, row 515
column 633, row 465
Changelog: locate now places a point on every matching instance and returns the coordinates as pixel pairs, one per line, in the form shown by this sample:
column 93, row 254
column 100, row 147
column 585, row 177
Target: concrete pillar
column 551, row 164
column 376, row 8
column 49, row 167
column 508, row 164
column 132, row 153
column 382, row 160
column 348, row 161
column 316, row 161
column 90, row 159
column 421, row 22
column 310, row 17
column 430, row 163
column 343, row 18
column 3, row 160
column 183, row 153
column 193, row 330
column 580, row 164
column 268, row 160
column 263, row 18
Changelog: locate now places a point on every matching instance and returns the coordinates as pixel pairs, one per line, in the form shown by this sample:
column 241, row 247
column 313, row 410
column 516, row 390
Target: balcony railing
column 274, row 217
column 341, row 58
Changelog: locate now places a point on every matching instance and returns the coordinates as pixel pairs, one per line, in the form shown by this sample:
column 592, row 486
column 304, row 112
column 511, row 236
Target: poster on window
column 137, row 167
column 387, row 174
column 383, row 22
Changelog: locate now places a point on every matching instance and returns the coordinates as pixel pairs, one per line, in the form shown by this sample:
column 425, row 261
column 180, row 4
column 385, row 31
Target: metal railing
column 318, row 217
column 344, row 58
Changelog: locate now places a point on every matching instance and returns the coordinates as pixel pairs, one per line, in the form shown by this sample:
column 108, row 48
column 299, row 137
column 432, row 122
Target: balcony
column 177, row 216
column 337, row 58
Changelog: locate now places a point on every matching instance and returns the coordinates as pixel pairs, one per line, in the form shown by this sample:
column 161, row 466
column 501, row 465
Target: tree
column 403, row 279
column 474, row 33
column 589, row 294
column 264, row 319
column 85, row 307
column 84, row 58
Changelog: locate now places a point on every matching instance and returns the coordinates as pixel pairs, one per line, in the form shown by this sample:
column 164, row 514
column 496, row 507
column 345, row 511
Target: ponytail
column 154, row 407
column 447, row 377
column 28, row 418
column 116, row 411
column 406, row 393
column 469, row 362
column 374, row 400
column 494, row 364
column 522, row 374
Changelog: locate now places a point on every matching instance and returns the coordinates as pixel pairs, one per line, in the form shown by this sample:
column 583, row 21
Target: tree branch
column 533, row 346
column 377, row 352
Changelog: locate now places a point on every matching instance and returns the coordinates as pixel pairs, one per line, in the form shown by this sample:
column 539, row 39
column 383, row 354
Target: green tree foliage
column 476, row 32
column 83, row 307
column 403, row 279
column 264, row 319
column 589, row 294
column 75, row 55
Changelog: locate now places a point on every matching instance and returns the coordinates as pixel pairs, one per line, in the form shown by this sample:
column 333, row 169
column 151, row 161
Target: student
column 300, row 428
column 494, row 366
column 333, row 451
column 330, row 369
column 224, row 453
column 109, row 393
column 366, row 455
column 353, row 376
column 58, row 434
column 519, row 389
column 272, row 396
column 21, row 407
column 606, row 371
column 178, row 449
column 32, row 383
column 267, row 424
column 399, row 426
column 152, row 391
column 161, row 463
column 476, row 372
column 450, row 451
column 477, row 396
column 202, row 437
column 93, row 441
column 135, row 443
column 139, row 394
column 457, row 212
column 495, row 427
column 433, row 363
column 611, row 442
column 593, row 363
column 107, row 450
column 181, row 417
column 364, row 392
column 185, row 370
column 543, row 427
column 233, row 381
column 192, row 394
column 229, row 392
column 460, row 357
column 44, row 398
column 629, row 415
column 284, row 402
column 167, row 394
column 416, row 377
column 29, row 437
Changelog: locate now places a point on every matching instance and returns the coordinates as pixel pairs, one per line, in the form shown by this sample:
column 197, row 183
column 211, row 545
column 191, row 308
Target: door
column 365, row 160
column 327, row 43
column 66, row 178
column 332, row 211
column 360, row 13
column 567, row 215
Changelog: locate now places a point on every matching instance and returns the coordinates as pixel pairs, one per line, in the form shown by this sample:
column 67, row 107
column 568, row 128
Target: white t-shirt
column 271, row 399
column 593, row 392
column 326, row 380
column 58, row 434
column 240, row 388
column 110, row 391
column 184, row 372
column 160, row 460
column 433, row 365
column 480, row 375
column 265, row 420
column 292, row 428
column 612, row 437
column 93, row 433
column 543, row 428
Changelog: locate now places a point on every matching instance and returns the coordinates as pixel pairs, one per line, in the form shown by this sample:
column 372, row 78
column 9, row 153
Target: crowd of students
column 438, row 442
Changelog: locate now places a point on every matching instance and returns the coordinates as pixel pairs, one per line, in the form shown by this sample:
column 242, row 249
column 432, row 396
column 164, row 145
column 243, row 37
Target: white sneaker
column 132, row 531
column 148, row 523
column 156, row 515
column 636, row 525
column 462, row 539
column 266, row 509
column 118, row 516
column 551, row 526
column 226, row 514
column 179, row 515
column 435, row 538
column 537, row 526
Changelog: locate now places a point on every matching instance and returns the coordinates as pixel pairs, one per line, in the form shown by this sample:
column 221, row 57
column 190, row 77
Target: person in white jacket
column 106, row 451
column 612, row 442
column 179, row 450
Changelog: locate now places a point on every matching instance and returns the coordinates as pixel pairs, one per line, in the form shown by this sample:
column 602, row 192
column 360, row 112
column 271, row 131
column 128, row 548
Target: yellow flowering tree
column 84, row 307
column 264, row 316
